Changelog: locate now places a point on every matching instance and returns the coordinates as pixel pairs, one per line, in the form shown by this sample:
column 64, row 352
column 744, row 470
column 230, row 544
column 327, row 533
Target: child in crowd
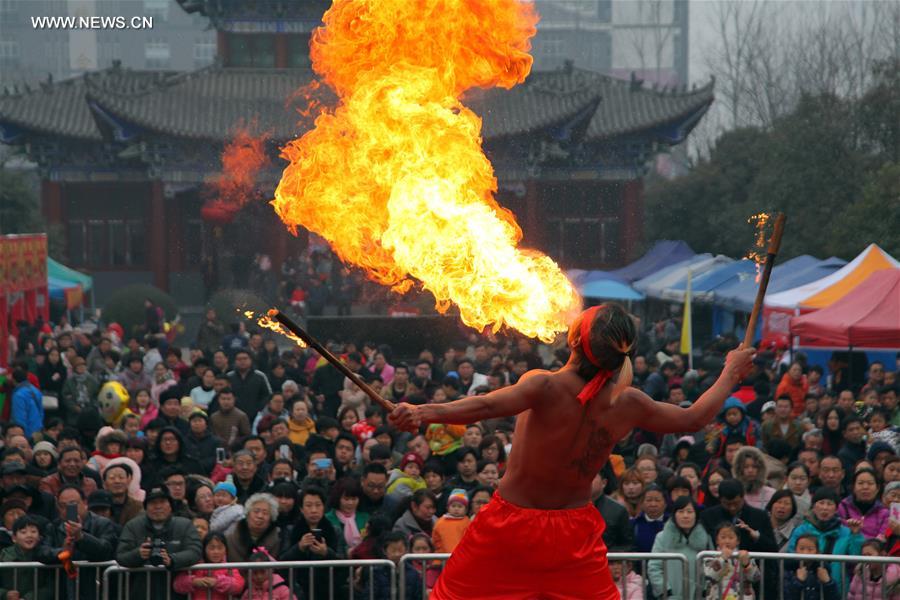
column 628, row 582
column 16, row 584
column 201, row 524
column 831, row 536
column 214, row 584
column 879, row 580
column 733, row 421
column 228, row 511
column 393, row 547
column 420, row 543
column 730, row 577
column 404, row 481
column 880, row 429
column 449, row 529
column 144, row 407
column 811, row 580
column 266, row 584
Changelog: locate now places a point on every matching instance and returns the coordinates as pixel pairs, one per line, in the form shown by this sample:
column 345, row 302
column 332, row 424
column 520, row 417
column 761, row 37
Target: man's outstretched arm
column 661, row 417
column 504, row 402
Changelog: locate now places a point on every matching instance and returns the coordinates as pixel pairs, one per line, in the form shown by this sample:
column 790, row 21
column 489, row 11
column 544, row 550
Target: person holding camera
column 86, row 536
column 157, row 538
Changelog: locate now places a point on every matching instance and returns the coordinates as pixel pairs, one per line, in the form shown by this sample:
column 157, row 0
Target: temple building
column 126, row 157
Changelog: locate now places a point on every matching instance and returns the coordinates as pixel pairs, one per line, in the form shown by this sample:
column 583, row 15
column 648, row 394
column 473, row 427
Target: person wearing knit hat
column 449, row 529
column 46, row 447
column 405, row 480
column 227, row 511
column 832, row 536
column 44, row 458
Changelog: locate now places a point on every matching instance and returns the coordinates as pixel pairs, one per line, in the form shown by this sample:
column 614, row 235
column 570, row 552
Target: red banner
column 23, row 283
column 23, row 262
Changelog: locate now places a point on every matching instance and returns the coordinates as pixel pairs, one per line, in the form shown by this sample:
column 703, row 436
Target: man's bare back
column 560, row 444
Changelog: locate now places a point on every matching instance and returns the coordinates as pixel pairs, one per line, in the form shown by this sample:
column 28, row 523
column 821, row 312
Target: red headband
column 596, row 384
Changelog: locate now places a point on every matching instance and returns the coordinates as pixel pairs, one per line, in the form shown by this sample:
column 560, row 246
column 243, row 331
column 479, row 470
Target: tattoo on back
column 599, row 443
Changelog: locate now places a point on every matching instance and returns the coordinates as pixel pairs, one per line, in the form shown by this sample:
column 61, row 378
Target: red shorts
column 515, row 553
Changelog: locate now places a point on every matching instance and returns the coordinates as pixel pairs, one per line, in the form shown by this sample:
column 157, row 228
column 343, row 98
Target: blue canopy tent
column 663, row 254
column 739, row 295
column 657, row 284
column 705, row 285
column 609, row 289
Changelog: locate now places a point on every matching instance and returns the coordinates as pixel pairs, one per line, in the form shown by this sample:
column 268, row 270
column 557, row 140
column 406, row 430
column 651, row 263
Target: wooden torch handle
column 313, row 343
column 774, row 247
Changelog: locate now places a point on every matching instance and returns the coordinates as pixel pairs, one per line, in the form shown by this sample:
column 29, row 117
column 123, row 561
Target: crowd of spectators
column 236, row 450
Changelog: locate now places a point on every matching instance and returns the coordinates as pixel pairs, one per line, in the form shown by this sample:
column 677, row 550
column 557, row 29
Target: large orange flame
column 394, row 177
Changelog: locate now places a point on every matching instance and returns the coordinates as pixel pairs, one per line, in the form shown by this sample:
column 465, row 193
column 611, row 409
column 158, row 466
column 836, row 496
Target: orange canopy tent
column 868, row 316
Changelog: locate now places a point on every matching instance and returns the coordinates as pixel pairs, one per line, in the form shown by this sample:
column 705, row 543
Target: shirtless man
column 540, row 537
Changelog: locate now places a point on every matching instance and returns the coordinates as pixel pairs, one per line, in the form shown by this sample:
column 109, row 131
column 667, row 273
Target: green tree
column 829, row 165
column 19, row 208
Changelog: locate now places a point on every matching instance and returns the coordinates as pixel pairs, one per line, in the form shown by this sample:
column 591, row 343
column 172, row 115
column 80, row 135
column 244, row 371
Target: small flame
column 394, row 177
column 267, row 322
column 758, row 253
column 242, row 159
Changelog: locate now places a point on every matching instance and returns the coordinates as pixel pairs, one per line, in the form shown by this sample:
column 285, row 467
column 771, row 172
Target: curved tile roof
column 209, row 103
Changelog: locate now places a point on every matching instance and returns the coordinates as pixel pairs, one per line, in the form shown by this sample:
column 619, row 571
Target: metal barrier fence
column 74, row 588
column 793, row 560
column 149, row 579
column 661, row 562
column 356, row 579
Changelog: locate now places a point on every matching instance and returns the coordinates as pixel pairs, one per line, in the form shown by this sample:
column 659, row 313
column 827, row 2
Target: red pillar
column 158, row 252
column 51, row 201
column 632, row 215
column 281, row 50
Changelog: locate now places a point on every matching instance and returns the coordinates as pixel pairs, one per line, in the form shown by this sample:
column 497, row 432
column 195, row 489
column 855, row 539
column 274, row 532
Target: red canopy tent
column 867, row 317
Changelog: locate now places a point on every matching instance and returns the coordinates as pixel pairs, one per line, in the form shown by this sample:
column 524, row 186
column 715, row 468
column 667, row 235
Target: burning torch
column 313, row 343
column 774, row 247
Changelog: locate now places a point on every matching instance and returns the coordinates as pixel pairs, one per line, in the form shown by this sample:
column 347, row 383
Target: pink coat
column 228, row 583
column 633, row 588
column 874, row 522
column 874, row 588
column 151, row 413
column 280, row 590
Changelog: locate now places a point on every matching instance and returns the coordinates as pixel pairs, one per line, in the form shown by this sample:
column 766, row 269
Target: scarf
column 351, row 531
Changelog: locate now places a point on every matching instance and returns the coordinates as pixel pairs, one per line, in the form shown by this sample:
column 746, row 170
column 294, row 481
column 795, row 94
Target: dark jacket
column 320, row 581
column 251, row 392
column 257, row 484
column 811, row 589
column 24, row 580
column 619, row 534
column 122, row 513
column 757, row 519
column 182, row 544
column 646, row 531
column 203, row 450
column 97, row 544
column 209, row 335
